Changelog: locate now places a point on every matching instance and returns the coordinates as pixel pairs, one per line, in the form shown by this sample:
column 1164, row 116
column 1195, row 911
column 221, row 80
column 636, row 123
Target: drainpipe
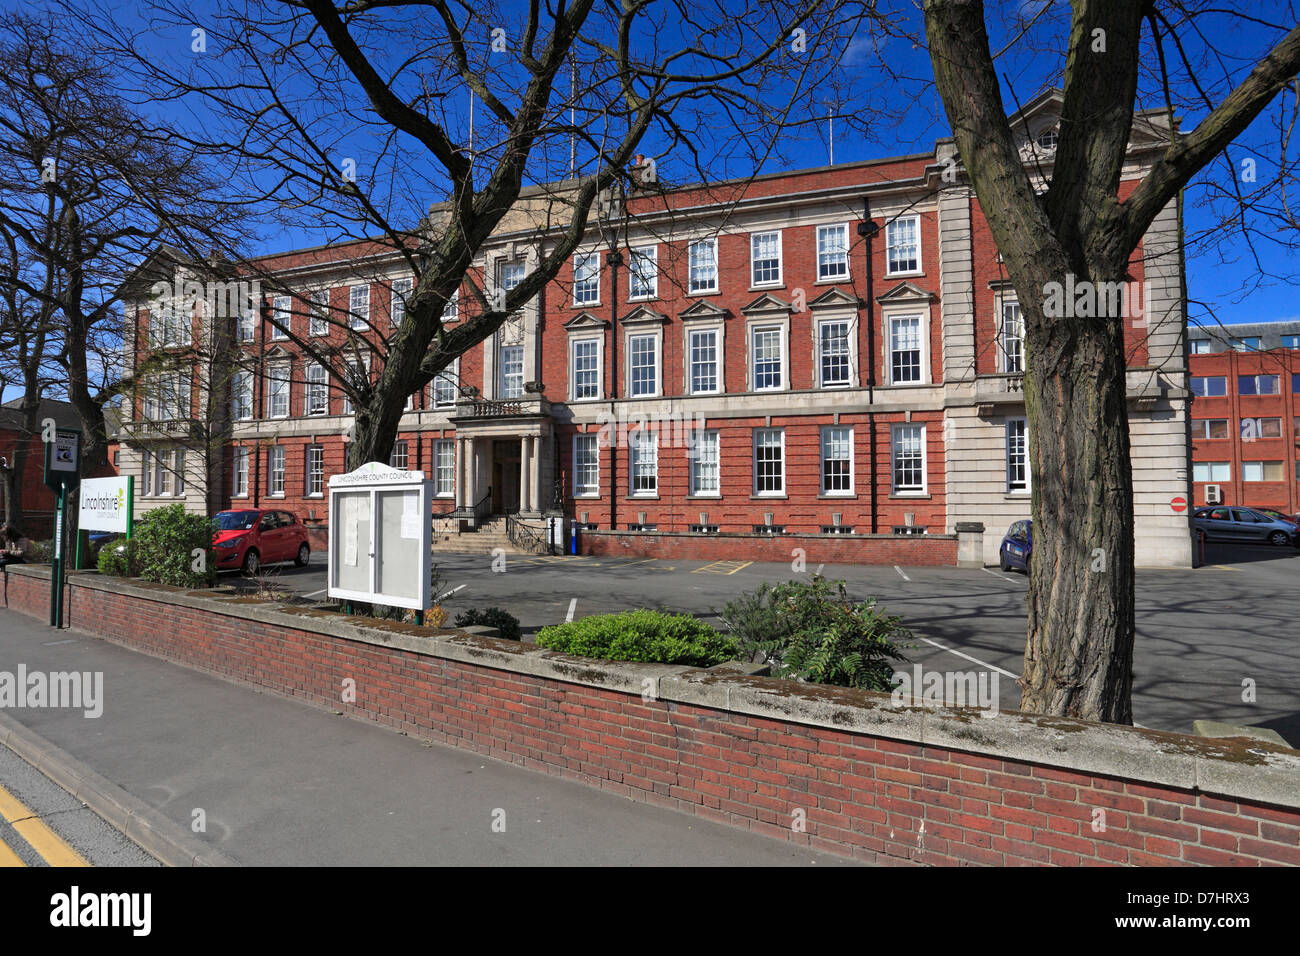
column 615, row 260
column 868, row 230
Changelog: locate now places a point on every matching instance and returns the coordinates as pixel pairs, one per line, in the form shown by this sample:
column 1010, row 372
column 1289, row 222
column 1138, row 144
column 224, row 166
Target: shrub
column 813, row 632
column 115, row 559
column 42, row 552
column 503, row 621
column 162, row 549
column 650, row 636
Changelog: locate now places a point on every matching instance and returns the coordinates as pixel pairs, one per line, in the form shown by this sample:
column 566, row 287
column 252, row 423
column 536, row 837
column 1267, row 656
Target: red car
column 252, row 537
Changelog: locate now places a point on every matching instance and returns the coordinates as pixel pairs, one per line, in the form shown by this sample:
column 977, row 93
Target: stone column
column 525, row 472
column 471, row 484
column 463, row 490
column 533, row 477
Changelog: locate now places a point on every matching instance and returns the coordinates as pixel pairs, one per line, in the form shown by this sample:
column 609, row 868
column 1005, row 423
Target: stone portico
column 505, row 454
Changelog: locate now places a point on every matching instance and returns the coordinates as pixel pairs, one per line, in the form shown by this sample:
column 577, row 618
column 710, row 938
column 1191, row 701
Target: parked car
column 1224, row 523
column 252, row 537
column 1279, row 515
column 1017, row 546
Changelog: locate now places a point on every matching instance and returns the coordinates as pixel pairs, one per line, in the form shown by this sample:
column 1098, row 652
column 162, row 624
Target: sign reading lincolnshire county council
column 103, row 504
column 381, row 537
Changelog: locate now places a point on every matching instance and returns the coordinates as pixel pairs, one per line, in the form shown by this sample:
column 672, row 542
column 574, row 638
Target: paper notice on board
column 411, row 515
column 350, row 510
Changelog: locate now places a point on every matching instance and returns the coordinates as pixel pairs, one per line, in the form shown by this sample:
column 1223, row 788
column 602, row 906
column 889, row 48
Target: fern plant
column 814, row 632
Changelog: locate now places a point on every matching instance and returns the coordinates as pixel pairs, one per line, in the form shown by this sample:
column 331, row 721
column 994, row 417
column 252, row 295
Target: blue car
column 1017, row 546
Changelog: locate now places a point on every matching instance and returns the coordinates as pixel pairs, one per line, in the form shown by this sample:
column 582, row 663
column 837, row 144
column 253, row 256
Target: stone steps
column 473, row 543
column 485, row 539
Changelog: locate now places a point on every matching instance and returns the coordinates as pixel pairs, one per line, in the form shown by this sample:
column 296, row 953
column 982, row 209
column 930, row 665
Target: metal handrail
column 525, row 537
column 483, row 507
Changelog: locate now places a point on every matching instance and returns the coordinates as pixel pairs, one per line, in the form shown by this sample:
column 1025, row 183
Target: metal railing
column 482, row 508
column 525, row 537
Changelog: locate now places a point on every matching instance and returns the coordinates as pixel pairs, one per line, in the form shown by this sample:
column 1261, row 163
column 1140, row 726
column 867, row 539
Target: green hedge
column 648, row 636
column 167, row 545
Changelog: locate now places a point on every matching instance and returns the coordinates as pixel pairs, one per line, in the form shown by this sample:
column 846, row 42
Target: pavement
column 1217, row 642
column 266, row 780
column 42, row 824
column 271, row 781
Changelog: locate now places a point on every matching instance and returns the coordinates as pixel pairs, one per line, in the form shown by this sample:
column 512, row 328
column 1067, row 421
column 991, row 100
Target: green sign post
column 62, row 475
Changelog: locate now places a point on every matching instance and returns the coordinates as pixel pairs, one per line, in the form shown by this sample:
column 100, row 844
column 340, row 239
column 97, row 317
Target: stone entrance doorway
column 507, row 455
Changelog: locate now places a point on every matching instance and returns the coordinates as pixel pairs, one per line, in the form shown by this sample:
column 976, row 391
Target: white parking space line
column 314, row 593
column 975, row 660
column 901, row 574
column 451, row 592
column 573, row 606
column 996, row 575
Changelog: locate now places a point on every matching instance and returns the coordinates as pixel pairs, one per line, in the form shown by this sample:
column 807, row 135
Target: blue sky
column 1216, row 278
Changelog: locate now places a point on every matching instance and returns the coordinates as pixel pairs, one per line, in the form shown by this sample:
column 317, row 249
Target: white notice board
column 381, row 537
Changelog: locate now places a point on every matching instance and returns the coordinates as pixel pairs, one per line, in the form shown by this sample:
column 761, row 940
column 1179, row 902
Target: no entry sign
column 1178, row 503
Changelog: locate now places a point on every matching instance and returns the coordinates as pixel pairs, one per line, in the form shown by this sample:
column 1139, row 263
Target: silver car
column 1224, row 523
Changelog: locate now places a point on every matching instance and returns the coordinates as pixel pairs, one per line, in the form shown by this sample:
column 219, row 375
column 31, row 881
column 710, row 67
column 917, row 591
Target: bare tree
column 1078, row 661
column 333, row 121
column 87, row 188
column 26, row 329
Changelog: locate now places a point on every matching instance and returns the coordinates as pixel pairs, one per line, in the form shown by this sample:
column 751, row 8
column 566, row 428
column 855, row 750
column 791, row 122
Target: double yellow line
column 52, row 848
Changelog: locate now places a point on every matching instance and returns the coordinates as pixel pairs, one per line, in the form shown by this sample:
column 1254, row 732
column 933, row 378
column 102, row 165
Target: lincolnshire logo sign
column 103, row 504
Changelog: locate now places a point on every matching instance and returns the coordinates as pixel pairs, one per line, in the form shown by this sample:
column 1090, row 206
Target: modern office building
column 1246, row 414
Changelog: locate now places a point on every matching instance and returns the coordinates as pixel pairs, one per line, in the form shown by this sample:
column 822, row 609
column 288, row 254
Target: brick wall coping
column 1251, row 771
column 750, row 536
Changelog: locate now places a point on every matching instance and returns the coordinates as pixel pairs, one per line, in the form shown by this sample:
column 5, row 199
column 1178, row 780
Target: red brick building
column 38, row 501
column 1246, row 415
column 823, row 353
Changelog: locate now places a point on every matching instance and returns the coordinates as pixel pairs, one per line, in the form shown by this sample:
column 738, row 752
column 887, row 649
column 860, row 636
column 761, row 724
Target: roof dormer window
column 1047, row 139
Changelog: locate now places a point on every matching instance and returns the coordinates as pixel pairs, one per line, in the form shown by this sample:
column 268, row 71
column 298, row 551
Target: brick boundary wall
column 938, row 550
column 937, row 786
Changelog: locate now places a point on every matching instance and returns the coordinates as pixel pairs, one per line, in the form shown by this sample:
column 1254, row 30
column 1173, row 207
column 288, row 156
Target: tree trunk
column 374, row 431
column 12, row 491
column 1079, row 654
